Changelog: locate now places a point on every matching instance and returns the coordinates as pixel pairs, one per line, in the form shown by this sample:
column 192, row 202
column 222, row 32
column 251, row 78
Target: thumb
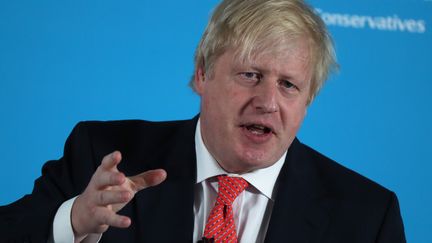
column 147, row 179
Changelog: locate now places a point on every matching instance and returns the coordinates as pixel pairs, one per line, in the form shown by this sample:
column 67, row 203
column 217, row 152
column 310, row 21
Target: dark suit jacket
column 317, row 199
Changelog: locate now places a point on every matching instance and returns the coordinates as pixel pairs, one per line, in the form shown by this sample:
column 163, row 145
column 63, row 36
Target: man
column 258, row 66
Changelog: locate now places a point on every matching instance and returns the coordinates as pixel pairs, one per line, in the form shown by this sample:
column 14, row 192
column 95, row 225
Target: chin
column 252, row 162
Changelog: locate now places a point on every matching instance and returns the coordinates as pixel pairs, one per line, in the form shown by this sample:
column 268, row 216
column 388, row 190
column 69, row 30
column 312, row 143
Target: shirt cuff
column 62, row 226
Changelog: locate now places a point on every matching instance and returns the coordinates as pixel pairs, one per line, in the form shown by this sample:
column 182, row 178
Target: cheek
column 226, row 98
column 213, row 102
column 293, row 117
column 216, row 107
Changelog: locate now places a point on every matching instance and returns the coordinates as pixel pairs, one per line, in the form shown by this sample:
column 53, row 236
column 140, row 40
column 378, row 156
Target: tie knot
column 230, row 188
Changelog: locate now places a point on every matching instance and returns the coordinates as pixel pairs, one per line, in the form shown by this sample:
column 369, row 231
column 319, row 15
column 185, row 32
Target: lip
column 265, row 124
column 257, row 138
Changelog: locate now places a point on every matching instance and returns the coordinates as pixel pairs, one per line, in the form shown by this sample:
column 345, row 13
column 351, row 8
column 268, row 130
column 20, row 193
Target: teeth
column 258, row 129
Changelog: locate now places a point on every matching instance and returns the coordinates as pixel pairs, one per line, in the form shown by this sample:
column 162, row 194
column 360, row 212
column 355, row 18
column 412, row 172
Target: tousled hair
column 251, row 26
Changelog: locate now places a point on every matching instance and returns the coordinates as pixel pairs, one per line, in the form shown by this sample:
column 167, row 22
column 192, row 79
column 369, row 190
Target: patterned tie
column 220, row 225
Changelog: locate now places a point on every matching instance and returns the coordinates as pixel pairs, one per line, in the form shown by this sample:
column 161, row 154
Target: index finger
column 147, row 179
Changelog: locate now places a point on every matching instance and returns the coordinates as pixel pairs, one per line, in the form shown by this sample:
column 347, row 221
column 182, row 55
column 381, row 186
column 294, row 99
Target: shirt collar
column 262, row 179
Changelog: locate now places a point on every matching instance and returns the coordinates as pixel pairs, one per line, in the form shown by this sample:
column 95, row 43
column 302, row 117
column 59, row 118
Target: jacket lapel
column 302, row 205
column 165, row 212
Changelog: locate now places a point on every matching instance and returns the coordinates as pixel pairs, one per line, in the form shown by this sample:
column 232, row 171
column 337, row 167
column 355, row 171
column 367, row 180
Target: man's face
column 251, row 111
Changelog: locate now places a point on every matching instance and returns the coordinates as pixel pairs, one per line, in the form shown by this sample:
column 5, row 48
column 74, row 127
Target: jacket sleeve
column 392, row 229
column 30, row 218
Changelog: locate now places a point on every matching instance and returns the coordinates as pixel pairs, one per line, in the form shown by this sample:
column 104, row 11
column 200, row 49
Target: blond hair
column 250, row 26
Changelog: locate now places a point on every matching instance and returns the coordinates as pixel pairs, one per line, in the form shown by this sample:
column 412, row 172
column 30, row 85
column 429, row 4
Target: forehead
column 278, row 49
column 288, row 56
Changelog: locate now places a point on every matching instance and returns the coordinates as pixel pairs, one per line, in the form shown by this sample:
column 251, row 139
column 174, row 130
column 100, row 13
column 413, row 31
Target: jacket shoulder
column 128, row 132
column 115, row 126
column 358, row 201
column 131, row 137
column 342, row 181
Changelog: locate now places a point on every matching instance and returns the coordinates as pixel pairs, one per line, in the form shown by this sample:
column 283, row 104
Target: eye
column 250, row 77
column 288, row 88
column 287, row 84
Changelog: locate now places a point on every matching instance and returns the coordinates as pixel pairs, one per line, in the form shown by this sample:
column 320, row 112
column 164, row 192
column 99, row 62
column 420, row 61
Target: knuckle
column 113, row 178
column 102, row 197
column 116, row 178
column 127, row 195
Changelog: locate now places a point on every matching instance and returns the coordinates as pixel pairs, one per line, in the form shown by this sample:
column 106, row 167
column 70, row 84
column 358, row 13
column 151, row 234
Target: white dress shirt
column 252, row 208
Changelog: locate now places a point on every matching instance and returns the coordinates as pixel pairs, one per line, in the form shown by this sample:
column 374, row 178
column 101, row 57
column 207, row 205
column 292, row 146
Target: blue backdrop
column 66, row 61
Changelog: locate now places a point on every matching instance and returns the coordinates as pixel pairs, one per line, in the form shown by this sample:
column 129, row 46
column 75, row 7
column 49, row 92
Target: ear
column 199, row 80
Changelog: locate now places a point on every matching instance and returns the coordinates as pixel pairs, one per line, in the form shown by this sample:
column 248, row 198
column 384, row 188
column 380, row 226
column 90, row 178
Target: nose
column 265, row 98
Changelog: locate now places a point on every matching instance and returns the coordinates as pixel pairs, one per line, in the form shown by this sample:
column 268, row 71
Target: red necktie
column 220, row 224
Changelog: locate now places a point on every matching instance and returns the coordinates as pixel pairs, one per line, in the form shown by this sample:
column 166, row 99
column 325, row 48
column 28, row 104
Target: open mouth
column 258, row 129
